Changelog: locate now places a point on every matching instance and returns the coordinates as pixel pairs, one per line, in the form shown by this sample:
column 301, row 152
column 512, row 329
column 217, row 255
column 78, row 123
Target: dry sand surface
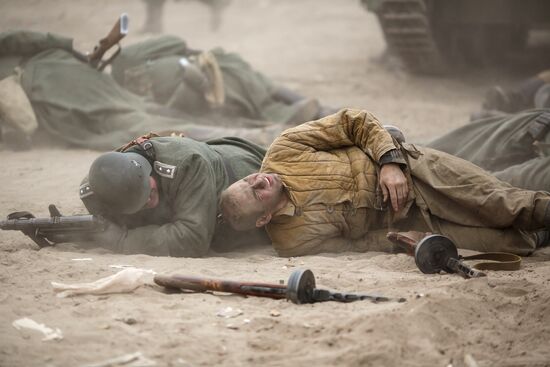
column 329, row 49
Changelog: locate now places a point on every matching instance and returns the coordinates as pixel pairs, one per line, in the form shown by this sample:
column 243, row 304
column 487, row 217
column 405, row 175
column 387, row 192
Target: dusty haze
column 328, row 49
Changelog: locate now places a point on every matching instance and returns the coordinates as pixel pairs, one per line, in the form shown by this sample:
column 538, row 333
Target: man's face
column 259, row 192
column 154, row 198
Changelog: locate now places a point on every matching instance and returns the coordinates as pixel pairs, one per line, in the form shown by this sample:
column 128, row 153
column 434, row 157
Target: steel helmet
column 120, row 182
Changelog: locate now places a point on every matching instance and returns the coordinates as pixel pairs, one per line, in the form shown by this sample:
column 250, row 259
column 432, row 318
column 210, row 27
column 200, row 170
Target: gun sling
column 497, row 261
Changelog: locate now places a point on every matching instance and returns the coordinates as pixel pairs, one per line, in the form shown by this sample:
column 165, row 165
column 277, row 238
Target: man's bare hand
column 394, row 184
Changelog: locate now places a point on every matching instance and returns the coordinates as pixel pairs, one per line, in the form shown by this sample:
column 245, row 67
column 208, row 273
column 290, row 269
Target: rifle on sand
column 54, row 229
column 117, row 33
column 300, row 288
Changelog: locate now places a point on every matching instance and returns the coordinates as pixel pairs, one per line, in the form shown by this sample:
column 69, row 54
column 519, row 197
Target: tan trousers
column 481, row 239
column 477, row 211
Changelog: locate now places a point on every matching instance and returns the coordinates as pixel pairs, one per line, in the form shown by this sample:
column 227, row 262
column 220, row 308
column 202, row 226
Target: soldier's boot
column 153, row 16
column 304, row 111
column 286, row 96
column 290, row 97
column 513, row 100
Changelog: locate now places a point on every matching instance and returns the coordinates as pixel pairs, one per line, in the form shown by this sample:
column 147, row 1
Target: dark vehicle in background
column 431, row 36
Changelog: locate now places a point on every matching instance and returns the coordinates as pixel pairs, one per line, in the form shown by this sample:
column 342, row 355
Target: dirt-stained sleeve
column 346, row 128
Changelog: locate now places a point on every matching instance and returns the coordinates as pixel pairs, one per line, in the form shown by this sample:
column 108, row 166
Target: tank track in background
column 408, row 34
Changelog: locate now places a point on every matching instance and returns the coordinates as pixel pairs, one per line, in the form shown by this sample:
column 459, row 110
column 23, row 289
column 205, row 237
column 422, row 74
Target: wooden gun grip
column 406, row 240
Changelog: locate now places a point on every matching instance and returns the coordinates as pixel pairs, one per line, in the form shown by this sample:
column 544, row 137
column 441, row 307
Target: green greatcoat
column 83, row 107
column 502, row 144
column 185, row 221
column 151, row 68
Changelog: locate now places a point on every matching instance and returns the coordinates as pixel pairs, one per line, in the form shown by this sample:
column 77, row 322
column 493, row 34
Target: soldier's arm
column 192, row 227
column 346, row 128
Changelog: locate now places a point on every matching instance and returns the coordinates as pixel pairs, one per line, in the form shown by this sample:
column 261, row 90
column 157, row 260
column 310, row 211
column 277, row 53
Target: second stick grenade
column 300, row 288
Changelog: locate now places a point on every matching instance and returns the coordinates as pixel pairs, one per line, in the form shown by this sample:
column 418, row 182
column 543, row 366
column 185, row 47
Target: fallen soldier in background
column 515, row 147
column 79, row 106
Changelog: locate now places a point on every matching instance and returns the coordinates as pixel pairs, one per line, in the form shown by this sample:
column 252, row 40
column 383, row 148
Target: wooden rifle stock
column 117, row 33
column 196, row 284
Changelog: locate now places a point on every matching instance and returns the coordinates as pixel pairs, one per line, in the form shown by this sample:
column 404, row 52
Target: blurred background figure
column 532, row 92
column 154, row 14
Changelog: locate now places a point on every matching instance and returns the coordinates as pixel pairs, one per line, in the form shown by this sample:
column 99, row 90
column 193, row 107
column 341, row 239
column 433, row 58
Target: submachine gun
column 300, row 289
column 54, row 229
column 434, row 253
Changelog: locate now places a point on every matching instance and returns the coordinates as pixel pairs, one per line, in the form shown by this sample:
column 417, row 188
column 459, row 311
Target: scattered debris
column 127, row 320
column 49, row 334
column 124, row 281
column 274, row 313
column 229, row 312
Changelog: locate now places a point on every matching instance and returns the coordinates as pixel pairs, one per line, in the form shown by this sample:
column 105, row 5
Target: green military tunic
column 83, row 107
column 504, row 145
column 190, row 177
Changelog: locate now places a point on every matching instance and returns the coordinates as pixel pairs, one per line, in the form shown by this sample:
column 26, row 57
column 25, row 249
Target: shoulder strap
column 144, row 143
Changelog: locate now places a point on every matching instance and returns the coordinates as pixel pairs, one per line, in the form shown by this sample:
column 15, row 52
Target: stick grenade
column 300, row 289
column 433, row 253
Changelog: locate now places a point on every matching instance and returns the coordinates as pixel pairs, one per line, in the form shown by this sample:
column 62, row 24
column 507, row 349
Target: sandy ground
column 323, row 48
